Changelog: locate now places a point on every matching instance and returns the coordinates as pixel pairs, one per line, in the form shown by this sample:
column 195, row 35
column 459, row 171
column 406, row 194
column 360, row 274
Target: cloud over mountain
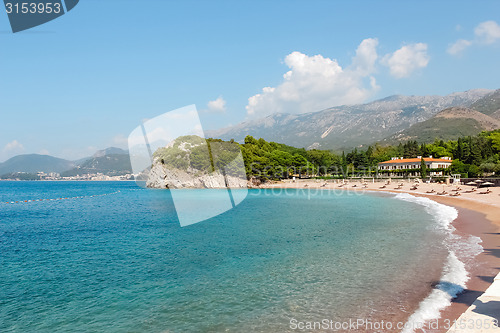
column 317, row 82
column 14, row 145
column 217, row 106
column 403, row 62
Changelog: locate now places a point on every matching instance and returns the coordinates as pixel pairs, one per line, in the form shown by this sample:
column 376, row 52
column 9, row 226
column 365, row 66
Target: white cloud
column 44, row 152
column 485, row 33
column 459, row 46
column 316, row 82
column 366, row 56
column 218, row 105
column 14, row 147
column 406, row 60
column 120, row 140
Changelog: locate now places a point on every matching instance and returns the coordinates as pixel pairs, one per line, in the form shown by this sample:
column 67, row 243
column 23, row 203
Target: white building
column 398, row 163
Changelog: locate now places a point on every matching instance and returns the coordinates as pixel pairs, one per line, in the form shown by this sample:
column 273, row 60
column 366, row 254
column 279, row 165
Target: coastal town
column 54, row 176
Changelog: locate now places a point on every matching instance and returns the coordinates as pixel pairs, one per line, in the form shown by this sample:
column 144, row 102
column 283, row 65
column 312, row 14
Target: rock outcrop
column 162, row 177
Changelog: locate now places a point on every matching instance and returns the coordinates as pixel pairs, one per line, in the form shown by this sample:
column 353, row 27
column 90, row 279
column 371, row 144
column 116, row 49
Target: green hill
column 33, row 163
column 449, row 124
column 111, row 165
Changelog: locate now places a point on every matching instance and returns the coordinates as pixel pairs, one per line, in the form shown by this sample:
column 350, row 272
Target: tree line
column 472, row 156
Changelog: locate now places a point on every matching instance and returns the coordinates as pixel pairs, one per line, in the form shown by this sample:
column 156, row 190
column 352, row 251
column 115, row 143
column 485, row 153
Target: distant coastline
column 67, row 180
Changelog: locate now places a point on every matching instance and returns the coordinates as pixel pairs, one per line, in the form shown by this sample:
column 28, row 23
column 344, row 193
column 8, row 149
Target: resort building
column 397, row 164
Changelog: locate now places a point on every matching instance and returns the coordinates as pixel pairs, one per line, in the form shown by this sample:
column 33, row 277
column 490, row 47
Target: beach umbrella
column 487, row 184
column 471, row 183
column 479, row 181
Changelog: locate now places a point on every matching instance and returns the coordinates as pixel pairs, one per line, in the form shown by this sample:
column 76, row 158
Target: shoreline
column 480, row 220
column 478, row 215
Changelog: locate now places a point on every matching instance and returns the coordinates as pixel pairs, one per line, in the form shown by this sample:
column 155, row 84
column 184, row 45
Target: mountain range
column 111, row 161
column 395, row 118
column 33, row 163
column 388, row 121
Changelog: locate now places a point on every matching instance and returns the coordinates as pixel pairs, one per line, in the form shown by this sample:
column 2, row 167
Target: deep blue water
column 113, row 258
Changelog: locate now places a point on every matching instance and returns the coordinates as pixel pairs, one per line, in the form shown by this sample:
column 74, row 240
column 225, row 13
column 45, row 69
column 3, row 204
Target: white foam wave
column 442, row 214
column 455, row 276
column 453, row 282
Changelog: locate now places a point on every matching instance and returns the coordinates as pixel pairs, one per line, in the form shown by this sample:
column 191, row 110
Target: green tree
column 460, row 167
column 474, row 171
column 424, row 151
column 250, row 140
column 487, row 167
column 475, row 151
column 423, row 168
column 495, row 140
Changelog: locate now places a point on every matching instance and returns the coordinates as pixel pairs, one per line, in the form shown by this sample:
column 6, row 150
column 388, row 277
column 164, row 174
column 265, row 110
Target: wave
column 455, row 276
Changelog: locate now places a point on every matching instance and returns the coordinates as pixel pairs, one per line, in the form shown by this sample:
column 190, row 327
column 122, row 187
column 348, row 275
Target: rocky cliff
column 162, row 177
column 193, row 162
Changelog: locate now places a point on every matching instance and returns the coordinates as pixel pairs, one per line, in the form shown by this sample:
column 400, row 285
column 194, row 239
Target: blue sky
column 84, row 81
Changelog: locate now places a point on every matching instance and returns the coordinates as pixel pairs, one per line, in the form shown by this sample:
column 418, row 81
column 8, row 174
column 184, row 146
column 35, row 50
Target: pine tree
column 423, row 168
column 344, row 162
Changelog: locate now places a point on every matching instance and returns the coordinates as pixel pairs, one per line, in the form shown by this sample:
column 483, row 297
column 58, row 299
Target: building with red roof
column 398, row 164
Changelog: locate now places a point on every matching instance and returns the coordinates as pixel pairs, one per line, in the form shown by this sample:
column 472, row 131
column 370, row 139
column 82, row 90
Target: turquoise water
column 113, row 258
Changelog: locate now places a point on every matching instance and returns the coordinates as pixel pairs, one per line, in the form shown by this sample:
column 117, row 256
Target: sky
column 84, row 81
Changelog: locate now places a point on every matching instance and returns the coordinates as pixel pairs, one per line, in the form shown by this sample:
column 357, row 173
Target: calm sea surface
column 112, row 257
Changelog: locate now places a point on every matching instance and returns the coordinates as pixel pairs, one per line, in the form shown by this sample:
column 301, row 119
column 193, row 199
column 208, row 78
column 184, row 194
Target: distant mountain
column 449, row 124
column 111, row 165
column 110, row 151
column 33, row 163
column 345, row 127
column 110, row 161
column 489, row 104
column 101, row 153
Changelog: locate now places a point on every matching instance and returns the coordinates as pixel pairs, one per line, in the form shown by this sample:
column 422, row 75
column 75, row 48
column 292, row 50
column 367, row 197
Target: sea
column 112, row 257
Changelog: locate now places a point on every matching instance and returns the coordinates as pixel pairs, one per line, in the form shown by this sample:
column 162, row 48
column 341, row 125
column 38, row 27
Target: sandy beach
column 479, row 215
